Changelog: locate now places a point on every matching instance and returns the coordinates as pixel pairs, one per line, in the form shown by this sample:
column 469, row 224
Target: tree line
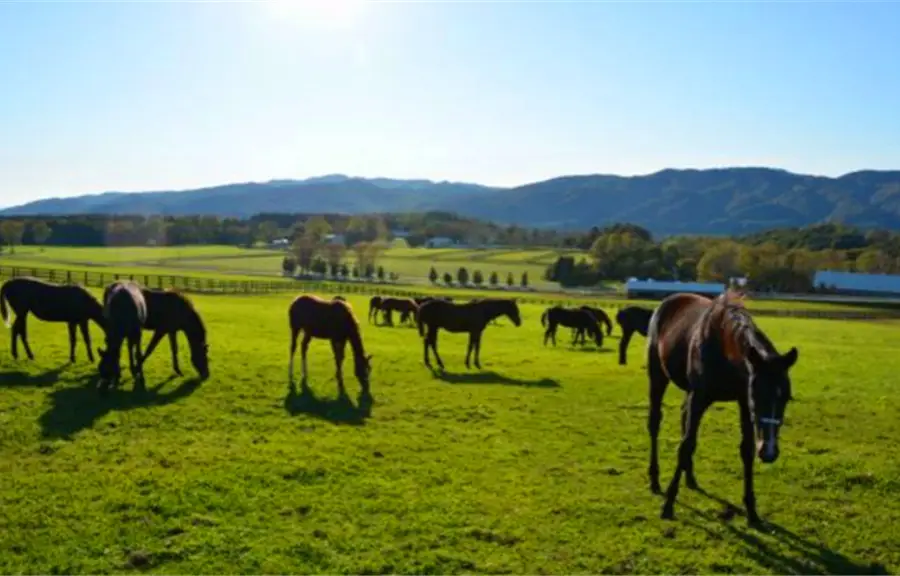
column 476, row 279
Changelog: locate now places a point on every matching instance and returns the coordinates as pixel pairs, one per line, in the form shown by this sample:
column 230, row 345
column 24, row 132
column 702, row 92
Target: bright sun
column 318, row 14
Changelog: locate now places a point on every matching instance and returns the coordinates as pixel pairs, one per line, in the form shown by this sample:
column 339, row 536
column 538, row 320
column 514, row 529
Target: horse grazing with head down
column 714, row 351
column 49, row 302
column 576, row 318
column 374, row 307
column 631, row 319
column 600, row 316
column 329, row 320
column 169, row 312
column 471, row 317
column 407, row 308
column 125, row 313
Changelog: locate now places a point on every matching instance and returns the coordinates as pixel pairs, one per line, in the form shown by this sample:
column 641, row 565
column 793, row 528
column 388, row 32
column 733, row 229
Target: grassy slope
column 537, row 464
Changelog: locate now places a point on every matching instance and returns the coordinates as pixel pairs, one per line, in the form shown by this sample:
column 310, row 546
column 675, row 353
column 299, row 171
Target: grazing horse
column 600, row 316
column 713, row 351
column 405, row 306
column 471, row 317
column 631, row 319
column 374, row 307
column 329, row 320
column 577, row 318
column 167, row 313
column 125, row 314
column 68, row 303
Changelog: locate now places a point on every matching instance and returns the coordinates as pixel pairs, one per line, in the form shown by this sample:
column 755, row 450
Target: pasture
column 536, row 464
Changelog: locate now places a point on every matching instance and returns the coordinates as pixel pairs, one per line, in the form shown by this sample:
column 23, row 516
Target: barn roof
column 857, row 282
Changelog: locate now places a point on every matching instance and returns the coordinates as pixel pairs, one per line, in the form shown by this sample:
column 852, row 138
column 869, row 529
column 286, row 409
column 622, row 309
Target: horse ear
column 790, row 358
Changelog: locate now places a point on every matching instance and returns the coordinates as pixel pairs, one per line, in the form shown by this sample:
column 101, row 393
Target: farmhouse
column 853, row 284
column 656, row 290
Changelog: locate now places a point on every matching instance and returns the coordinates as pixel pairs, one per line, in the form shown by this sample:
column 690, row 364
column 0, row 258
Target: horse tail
column 544, row 318
column 3, row 310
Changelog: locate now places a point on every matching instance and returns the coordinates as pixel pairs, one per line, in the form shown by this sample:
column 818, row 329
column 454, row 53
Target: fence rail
column 200, row 285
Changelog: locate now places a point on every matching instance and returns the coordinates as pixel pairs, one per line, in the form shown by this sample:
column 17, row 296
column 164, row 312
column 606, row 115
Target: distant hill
column 713, row 201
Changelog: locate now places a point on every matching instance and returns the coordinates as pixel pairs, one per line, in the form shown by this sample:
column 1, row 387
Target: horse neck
column 741, row 334
column 95, row 313
column 193, row 326
column 356, row 344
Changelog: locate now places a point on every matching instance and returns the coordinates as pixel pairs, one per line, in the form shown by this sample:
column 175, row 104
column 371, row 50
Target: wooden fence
column 200, row 285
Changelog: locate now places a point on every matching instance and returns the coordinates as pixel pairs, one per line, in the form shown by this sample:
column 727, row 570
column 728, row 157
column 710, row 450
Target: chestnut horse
column 631, row 319
column 329, row 320
column 49, row 302
column 471, row 317
column 125, row 312
column 713, row 351
column 169, row 312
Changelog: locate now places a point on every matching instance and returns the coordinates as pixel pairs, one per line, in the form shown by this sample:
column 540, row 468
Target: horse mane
column 733, row 325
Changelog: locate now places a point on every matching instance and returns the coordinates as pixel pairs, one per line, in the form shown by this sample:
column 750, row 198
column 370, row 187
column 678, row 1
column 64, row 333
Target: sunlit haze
column 157, row 96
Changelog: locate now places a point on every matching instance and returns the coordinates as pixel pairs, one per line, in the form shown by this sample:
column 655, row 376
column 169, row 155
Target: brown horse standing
column 169, row 312
column 471, row 317
column 329, row 320
column 576, row 318
column 124, row 312
column 374, row 307
column 631, row 319
column 69, row 303
column 405, row 306
column 600, row 316
column 712, row 350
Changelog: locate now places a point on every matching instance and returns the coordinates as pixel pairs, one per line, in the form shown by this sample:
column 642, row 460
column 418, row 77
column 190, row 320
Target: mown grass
column 536, row 464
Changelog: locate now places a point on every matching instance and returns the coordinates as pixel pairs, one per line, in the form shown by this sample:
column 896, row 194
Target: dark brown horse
column 124, row 313
column 600, row 316
column 69, row 303
column 407, row 308
column 631, row 319
column 329, row 320
column 576, row 318
column 169, row 312
column 419, row 300
column 374, row 307
column 471, row 317
column 712, row 350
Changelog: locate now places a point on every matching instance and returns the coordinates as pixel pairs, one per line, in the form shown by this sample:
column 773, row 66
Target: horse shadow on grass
column 20, row 379
column 340, row 410
column 804, row 557
column 77, row 408
column 491, row 377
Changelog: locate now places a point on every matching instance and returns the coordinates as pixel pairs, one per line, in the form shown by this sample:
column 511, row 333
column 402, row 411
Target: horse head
column 769, row 393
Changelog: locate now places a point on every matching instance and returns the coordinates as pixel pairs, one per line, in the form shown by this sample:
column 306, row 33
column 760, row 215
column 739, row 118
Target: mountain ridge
column 724, row 200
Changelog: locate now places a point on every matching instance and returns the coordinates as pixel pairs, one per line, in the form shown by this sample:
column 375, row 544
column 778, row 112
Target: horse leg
column 86, row 336
column 71, row 326
column 696, row 406
column 433, row 339
column 134, row 361
column 294, row 333
column 659, row 381
column 173, row 344
column 747, row 456
column 546, row 335
column 15, row 339
column 23, row 333
column 425, row 344
column 470, row 347
column 623, row 346
column 338, row 347
column 154, row 341
column 689, row 480
column 304, row 347
column 478, row 350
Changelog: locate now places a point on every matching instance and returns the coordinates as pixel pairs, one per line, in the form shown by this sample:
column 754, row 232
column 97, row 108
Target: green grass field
column 536, row 464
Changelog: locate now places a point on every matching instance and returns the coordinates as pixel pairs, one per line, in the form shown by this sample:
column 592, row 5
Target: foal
column 125, row 313
column 712, row 350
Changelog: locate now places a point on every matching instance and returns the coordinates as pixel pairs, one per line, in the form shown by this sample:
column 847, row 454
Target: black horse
column 125, row 313
column 712, row 350
column 631, row 319
column 472, row 317
column 576, row 318
column 49, row 302
column 169, row 312
column 600, row 316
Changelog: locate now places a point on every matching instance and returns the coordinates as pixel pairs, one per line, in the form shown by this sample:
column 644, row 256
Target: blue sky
column 151, row 96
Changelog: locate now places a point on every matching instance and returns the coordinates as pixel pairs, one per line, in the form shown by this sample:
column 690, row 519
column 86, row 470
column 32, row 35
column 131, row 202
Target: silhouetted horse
column 712, row 350
column 124, row 313
column 329, row 320
column 471, row 317
column 576, row 318
column 69, row 303
column 600, row 316
column 374, row 307
column 167, row 313
column 419, row 300
column 631, row 319
column 405, row 306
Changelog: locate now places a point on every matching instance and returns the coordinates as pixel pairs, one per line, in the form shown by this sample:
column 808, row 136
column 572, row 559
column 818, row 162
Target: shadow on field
column 338, row 410
column 77, row 408
column 20, row 379
column 491, row 377
column 804, row 556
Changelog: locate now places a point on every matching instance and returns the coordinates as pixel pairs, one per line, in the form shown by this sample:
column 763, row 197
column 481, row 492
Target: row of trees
column 477, row 278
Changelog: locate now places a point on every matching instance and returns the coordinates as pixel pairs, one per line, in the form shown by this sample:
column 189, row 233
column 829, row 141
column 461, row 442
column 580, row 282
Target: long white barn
column 858, row 284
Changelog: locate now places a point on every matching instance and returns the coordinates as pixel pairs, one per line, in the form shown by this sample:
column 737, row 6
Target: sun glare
column 318, row 14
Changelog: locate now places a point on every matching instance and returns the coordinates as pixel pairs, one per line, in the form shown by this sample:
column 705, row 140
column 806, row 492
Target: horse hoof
column 655, row 488
column 691, row 484
column 668, row 513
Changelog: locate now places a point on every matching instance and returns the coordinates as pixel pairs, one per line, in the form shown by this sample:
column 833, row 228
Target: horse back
column 322, row 318
column 124, row 307
column 670, row 333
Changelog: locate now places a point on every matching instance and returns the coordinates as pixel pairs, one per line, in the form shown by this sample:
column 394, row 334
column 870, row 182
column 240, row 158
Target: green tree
column 510, row 280
column 266, row 231
column 433, row 275
column 345, row 270
column 381, row 273
column 477, row 278
column 317, row 228
column 40, row 232
column 12, row 231
column 289, row 265
column 524, row 281
column 462, row 276
column 719, row 263
column 494, row 279
column 448, row 279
